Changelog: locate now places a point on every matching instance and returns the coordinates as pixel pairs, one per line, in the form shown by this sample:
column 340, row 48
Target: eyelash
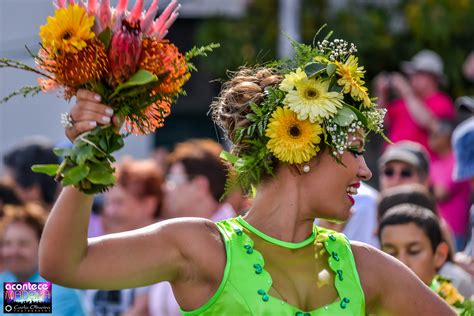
column 356, row 152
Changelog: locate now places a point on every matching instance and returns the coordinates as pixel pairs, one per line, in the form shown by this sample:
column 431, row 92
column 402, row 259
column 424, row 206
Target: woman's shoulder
column 188, row 229
column 374, row 266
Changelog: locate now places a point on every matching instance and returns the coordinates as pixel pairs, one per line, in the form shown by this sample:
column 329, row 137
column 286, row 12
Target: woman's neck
column 278, row 212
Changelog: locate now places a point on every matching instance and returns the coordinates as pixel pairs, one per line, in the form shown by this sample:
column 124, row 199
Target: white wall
column 20, row 118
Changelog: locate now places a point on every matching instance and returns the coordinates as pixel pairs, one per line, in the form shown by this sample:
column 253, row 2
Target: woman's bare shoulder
column 190, row 231
column 387, row 283
column 198, row 240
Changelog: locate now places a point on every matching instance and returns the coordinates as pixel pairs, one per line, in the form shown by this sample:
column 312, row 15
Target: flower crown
column 321, row 98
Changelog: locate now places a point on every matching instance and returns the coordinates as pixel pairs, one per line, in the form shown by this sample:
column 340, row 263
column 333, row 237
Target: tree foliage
column 386, row 32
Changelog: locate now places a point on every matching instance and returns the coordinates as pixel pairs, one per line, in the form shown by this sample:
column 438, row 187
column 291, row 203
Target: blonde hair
column 230, row 108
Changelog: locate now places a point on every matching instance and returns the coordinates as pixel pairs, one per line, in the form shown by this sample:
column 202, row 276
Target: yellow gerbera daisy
column 312, row 100
column 68, row 30
column 292, row 140
column 352, row 81
column 288, row 83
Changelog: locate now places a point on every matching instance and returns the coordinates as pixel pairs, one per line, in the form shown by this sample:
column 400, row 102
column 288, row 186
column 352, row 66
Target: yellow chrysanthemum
column 288, row 83
column 311, row 99
column 292, row 140
column 68, row 30
column 352, row 81
column 450, row 293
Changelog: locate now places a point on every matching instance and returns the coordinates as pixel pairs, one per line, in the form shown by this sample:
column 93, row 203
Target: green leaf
column 62, row 152
column 105, row 37
column 359, row 114
column 251, row 117
column 83, row 154
column 116, row 142
column 345, row 116
column 25, row 91
column 103, row 144
column 330, row 69
column 101, row 176
column 312, row 69
column 255, row 108
column 228, row 157
column 50, row 170
column 140, row 78
column 75, row 175
column 201, row 51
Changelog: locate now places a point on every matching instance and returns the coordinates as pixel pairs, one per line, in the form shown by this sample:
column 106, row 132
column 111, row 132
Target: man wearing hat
column 404, row 162
column 420, row 103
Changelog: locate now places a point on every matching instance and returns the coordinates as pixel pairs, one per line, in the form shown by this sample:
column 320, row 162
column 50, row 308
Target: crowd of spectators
column 419, row 213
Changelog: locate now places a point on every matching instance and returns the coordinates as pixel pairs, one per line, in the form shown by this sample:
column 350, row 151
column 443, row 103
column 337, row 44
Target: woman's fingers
column 88, row 95
column 87, row 113
column 83, row 106
column 79, row 128
column 101, row 117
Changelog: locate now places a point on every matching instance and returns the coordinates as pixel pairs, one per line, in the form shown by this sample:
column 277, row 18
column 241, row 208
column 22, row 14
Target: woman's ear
column 441, row 254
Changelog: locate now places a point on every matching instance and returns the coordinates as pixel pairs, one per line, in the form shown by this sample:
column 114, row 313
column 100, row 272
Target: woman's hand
column 88, row 112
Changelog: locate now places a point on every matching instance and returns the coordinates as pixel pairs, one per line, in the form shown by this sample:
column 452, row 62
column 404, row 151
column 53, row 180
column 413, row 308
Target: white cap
column 426, row 61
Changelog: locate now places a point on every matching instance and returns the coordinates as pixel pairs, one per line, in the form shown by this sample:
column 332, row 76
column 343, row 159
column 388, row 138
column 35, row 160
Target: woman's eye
column 414, row 252
column 356, row 152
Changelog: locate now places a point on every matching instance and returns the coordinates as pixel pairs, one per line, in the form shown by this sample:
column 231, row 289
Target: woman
column 300, row 143
column 20, row 232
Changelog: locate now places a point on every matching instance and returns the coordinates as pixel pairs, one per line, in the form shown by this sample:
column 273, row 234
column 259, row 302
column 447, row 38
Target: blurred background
column 249, row 31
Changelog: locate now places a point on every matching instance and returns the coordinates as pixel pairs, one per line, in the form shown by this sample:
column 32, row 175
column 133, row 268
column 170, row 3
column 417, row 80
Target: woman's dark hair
column 21, row 158
column 7, row 194
column 422, row 217
column 31, row 214
column 410, row 193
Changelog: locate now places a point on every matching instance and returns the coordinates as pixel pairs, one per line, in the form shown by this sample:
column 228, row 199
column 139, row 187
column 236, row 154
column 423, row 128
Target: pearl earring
column 306, row 168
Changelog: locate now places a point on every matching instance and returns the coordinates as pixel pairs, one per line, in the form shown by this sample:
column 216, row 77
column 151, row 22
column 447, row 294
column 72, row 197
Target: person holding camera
column 416, row 102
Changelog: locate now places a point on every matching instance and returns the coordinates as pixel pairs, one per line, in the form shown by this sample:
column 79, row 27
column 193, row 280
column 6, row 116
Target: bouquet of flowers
column 444, row 288
column 122, row 56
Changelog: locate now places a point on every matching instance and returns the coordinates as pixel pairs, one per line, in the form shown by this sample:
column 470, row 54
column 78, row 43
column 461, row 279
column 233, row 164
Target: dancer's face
column 20, row 249
column 331, row 185
column 409, row 244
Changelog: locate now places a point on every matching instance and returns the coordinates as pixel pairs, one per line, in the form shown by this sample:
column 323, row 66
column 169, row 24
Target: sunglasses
column 404, row 173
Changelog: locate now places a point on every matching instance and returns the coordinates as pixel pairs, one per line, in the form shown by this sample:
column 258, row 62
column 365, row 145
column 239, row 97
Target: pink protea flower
column 128, row 29
column 124, row 51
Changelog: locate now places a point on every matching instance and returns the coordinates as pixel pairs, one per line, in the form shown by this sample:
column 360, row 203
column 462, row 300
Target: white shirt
column 362, row 224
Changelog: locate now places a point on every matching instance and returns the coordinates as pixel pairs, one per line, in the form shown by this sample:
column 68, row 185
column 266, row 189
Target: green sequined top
column 245, row 284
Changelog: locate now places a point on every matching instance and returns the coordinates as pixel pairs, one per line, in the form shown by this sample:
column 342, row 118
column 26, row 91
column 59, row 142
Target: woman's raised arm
column 123, row 260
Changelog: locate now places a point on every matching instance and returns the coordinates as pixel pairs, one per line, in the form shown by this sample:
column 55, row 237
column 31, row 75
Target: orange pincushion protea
column 161, row 57
column 73, row 70
column 47, row 85
column 155, row 115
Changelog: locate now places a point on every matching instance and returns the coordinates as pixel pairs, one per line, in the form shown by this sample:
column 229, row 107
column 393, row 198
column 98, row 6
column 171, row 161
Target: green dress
column 245, row 284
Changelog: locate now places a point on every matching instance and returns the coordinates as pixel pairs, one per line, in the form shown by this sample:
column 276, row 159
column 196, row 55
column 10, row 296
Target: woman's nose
column 364, row 172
